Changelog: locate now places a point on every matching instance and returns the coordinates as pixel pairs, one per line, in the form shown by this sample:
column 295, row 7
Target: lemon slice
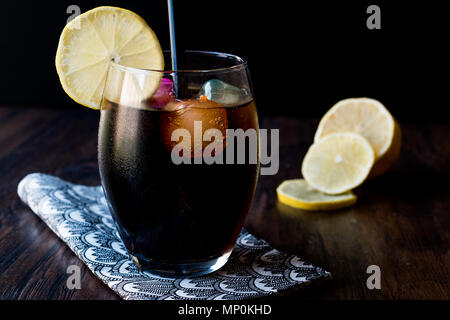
column 299, row 194
column 369, row 118
column 92, row 40
column 339, row 162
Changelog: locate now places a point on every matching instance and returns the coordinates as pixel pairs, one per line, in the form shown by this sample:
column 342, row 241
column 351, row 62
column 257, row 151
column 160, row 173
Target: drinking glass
column 179, row 211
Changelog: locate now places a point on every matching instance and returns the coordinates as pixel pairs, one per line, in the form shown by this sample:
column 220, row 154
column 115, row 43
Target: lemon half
column 369, row 118
column 92, row 40
column 338, row 163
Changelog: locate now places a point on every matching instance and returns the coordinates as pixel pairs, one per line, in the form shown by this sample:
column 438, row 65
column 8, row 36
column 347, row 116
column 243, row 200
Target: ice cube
column 221, row 92
column 163, row 95
column 184, row 115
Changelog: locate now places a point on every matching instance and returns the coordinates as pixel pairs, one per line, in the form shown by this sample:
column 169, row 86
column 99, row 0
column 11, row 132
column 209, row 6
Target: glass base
column 174, row 270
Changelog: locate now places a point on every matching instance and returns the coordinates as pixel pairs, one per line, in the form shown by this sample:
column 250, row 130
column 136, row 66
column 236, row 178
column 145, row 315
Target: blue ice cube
column 222, row 92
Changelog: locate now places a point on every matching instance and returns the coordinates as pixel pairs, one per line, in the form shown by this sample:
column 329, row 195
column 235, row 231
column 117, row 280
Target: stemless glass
column 179, row 218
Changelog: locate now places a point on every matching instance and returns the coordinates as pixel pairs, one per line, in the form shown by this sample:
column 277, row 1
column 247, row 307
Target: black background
column 303, row 57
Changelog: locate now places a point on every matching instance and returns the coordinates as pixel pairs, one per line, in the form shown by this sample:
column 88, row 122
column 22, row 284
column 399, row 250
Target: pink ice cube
column 163, row 95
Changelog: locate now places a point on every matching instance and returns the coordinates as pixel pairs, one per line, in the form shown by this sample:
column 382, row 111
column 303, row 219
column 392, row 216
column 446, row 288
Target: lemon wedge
column 338, row 162
column 92, row 40
column 299, row 194
column 369, row 118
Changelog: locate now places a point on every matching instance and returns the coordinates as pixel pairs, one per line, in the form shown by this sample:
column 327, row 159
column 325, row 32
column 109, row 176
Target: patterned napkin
column 79, row 216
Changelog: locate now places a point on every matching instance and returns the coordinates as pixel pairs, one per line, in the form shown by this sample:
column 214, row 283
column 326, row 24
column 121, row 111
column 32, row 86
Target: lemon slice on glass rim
column 92, row 40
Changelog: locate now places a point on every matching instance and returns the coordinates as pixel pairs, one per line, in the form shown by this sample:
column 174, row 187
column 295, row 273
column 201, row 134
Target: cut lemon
column 92, row 40
column 369, row 118
column 339, row 162
column 299, row 194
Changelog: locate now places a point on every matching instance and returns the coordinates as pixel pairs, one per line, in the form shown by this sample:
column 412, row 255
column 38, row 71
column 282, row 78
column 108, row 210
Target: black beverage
column 166, row 212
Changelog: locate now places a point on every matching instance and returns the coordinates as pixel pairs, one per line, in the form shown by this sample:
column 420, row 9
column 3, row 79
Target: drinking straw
column 173, row 48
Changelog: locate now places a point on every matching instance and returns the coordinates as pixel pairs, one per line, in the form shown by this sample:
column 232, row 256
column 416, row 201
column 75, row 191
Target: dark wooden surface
column 400, row 223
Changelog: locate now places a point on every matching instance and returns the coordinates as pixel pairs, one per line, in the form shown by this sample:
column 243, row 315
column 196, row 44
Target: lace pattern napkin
column 80, row 217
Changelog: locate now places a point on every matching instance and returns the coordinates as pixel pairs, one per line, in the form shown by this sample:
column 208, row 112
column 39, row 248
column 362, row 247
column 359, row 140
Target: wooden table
column 400, row 223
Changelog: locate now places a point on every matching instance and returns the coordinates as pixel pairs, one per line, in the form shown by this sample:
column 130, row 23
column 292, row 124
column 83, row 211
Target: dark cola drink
column 172, row 215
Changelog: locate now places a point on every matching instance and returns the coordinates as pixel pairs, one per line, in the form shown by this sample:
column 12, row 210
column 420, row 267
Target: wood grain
column 400, row 223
